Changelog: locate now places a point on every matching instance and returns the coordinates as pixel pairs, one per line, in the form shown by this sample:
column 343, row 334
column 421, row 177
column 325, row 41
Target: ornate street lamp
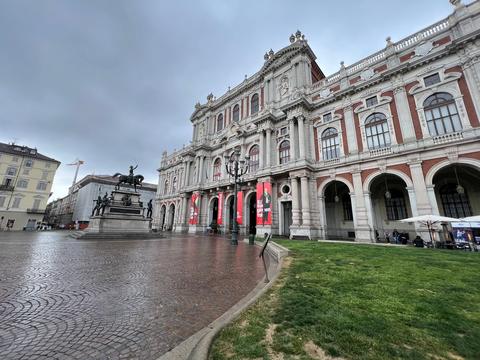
column 236, row 168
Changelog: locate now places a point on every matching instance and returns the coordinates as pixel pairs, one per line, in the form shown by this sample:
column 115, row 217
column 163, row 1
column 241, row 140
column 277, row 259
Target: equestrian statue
column 129, row 179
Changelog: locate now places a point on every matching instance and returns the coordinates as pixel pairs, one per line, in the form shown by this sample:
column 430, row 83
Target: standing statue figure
column 98, row 205
column 105, row 202
column 149, row 209
column 129, row 179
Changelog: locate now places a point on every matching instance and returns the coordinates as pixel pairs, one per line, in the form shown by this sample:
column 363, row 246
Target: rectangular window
column 42, row 185
column 2, row 201
column 36, row 204
column 327, row 117
column 28, row 163
column 12, row 171
column 16, row 203
column 372, row 101
column 431, row 80
column 283, row 131
column 22, row 183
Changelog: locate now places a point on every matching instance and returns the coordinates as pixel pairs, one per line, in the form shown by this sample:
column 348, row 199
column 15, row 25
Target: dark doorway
column 287, row 217
column 214, row 211
column 231, row 213
column 252, row 214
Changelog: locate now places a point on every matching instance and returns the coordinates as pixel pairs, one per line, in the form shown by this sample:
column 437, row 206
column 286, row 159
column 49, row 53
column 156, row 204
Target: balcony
column 36, row 211
column 6, row 187
column 442, row 139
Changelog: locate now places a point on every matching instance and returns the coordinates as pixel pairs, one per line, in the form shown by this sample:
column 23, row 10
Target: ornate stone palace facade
column 394, row 135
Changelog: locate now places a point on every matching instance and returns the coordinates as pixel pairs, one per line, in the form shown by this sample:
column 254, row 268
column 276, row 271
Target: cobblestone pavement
column 62, row 298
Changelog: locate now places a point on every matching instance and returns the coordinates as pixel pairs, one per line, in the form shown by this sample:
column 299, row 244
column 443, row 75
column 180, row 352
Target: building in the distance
column 76, row 207
column 348, row 155
column 26, row 178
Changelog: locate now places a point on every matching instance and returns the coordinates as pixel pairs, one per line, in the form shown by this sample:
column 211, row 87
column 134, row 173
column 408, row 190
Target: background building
column 26, row 177
column 78, row 205
column 391, row 136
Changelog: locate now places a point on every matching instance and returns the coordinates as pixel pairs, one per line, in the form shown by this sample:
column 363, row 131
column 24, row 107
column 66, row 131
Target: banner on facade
column 194, row 205
column 240, row 208
column 220, row 209
column 264, row 203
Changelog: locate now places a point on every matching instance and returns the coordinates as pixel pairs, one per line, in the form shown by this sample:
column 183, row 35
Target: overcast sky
column 114, row 82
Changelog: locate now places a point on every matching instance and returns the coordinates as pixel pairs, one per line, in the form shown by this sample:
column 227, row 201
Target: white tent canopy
column 475, row 218
column 431, row 219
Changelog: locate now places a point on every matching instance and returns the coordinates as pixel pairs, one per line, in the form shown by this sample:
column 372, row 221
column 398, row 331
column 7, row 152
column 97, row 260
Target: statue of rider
column 130, row 175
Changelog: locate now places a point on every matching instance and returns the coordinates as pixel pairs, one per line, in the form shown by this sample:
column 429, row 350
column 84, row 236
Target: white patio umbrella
column 429, row 221
column 475, row 218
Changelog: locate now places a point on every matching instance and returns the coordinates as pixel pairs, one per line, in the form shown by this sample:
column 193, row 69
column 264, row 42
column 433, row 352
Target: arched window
column 174, row 184
column 254, row 158
column 220, row 122
column 454, row 204
column 217, row 170
column 441, row 114
column 254, row 104
column 376, row 129
column 330, row 145
column 284, row 152
column 165, row 187
column 395, row 205
column 236, row 113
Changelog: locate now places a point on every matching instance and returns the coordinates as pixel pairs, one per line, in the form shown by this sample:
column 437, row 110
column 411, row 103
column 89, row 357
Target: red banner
column 220, row 209
column 240, row 208
column 194, row 205
column 264, row 203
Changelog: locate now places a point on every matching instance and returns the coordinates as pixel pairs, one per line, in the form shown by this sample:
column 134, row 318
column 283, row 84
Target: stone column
column 268, row 148
column 423, row 202
column 362, row 231
column 433, row 199
column 471, row 78
column 197, row 166
column 262, row 150
column 295, row 202
column 413, row 200
column 293, row 155
column 186, row 173
column 350, row 130
column 323, row 217
column 311, row 135
column 200, row 169
column 301, row 137
column 404, row 116
column 306, row 218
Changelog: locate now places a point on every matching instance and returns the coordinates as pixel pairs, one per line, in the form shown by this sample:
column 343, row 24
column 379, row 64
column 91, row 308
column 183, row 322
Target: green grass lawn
column 362, row 302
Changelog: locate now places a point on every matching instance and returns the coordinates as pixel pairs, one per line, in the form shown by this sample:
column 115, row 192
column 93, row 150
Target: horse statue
column 129, row 179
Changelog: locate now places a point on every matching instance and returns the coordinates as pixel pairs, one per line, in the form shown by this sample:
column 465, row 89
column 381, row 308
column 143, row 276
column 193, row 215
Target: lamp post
column 236, row 168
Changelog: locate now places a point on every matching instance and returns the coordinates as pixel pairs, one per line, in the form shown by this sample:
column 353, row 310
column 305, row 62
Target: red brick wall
column 474, row 155
column 357, row 127
column 380, row 68
column 317, row 151
column 354, row 80
column 406, row 57
column 467, row 97
column 413, row 111
column 335, row 88
column 427, row 164
column 442, row 41
column 344, row 133
column 396, row 121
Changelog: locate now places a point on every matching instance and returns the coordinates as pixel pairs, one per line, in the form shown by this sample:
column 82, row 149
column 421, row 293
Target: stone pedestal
column 124, row 214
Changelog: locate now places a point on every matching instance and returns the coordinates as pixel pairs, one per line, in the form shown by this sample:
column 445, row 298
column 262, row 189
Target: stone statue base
column 124, row 214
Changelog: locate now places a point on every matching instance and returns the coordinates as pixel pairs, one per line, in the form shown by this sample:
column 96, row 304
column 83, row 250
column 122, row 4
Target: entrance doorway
column 231, row 213
column 252, row 214
column 287, row 217
column 171, row 217
column 213, row 215
column 31, row 224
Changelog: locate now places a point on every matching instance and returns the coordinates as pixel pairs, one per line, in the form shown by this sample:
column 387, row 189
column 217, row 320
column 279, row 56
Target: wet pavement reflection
column 62, row 298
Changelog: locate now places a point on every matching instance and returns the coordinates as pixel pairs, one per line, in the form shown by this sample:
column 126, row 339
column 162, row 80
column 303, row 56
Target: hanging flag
column 264, row 203
column 194, row 205
column 240, row 208
column 220, row 209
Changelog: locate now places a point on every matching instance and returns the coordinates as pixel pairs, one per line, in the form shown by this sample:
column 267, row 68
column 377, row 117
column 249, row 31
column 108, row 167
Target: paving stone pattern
column 62, row 298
